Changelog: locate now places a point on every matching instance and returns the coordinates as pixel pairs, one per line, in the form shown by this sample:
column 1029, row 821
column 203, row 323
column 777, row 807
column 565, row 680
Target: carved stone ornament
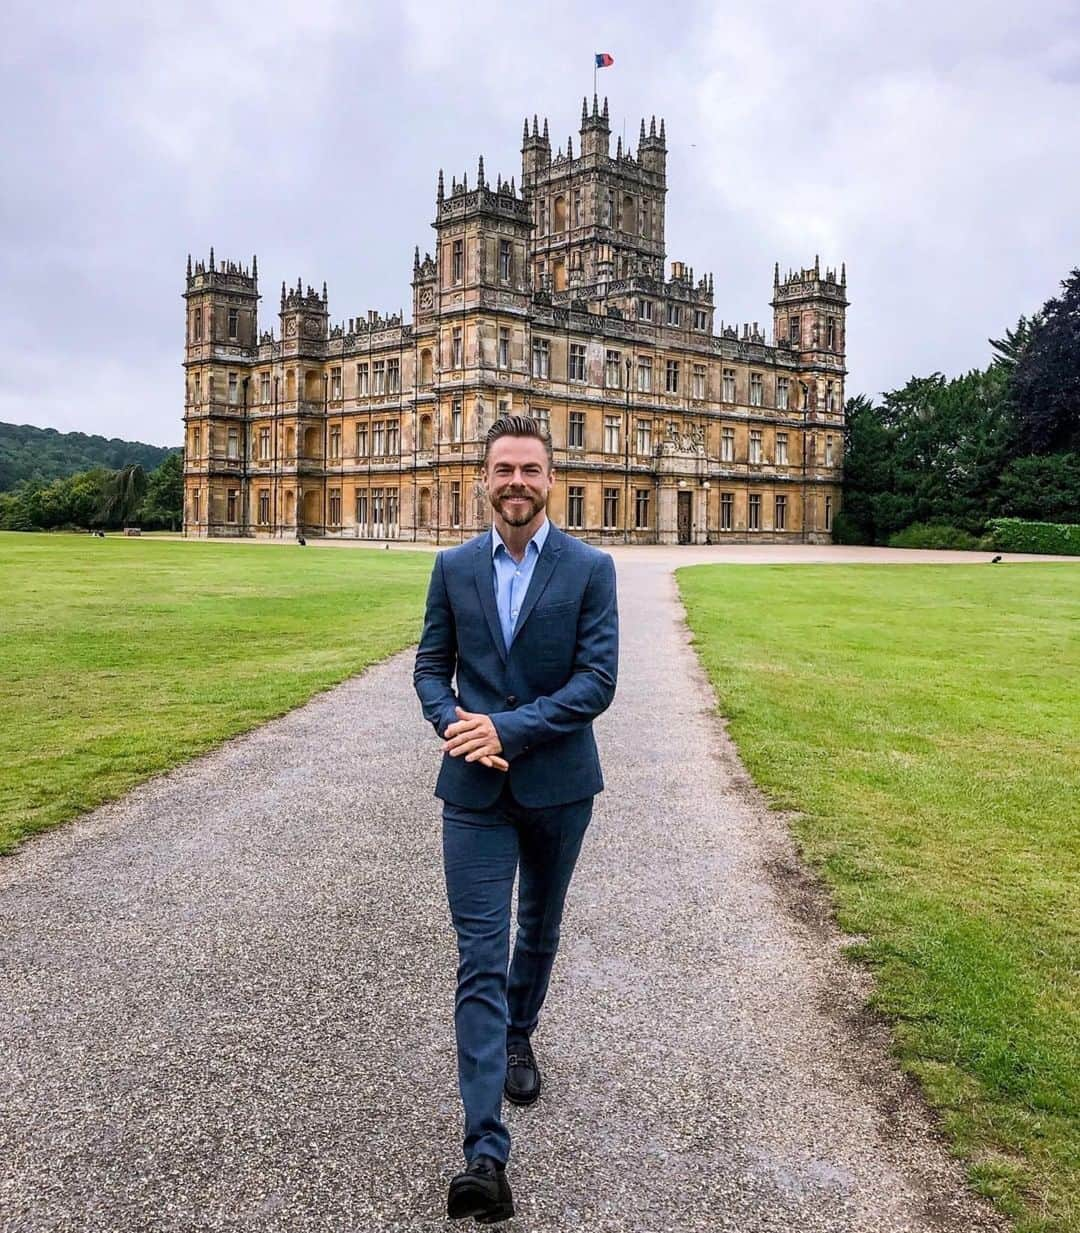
column 311, row 328
column 427, row 297
column 290, row 326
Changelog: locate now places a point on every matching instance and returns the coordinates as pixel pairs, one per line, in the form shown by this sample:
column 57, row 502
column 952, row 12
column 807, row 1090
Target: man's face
column 518, row 479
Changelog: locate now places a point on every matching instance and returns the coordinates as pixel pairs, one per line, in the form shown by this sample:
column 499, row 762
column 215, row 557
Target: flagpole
column 594, row 75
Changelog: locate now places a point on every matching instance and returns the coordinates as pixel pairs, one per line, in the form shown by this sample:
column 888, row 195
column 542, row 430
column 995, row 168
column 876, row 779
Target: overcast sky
column 933, row 147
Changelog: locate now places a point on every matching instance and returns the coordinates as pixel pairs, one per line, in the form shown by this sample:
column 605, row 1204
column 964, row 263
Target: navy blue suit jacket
column 544, row 691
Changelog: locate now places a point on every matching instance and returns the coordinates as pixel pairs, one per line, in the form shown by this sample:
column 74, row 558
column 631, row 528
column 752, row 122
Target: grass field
column 125, row 657
column 924, row 723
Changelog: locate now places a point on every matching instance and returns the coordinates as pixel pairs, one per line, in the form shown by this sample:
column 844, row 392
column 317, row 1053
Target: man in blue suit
column 526, row 617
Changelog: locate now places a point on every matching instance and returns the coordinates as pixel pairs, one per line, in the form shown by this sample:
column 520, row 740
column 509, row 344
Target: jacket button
column 512, row 699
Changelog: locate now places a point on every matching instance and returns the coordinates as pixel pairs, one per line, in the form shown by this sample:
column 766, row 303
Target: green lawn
column 924, row 723
column 123, row 657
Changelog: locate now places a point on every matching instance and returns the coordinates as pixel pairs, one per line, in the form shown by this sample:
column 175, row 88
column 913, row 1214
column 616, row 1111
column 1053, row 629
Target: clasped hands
column 474, row 736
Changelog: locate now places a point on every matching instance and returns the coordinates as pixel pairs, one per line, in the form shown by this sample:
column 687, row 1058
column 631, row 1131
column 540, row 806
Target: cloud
column 934, row 148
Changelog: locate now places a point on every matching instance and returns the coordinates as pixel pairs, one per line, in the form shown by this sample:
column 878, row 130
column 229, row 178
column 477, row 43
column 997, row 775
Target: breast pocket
column 553, row 629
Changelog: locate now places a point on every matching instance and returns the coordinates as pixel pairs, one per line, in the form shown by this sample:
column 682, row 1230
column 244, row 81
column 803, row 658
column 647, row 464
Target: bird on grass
column 995, row 560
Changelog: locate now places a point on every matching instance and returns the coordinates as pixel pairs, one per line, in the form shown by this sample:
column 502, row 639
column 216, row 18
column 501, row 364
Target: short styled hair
column 518, row 426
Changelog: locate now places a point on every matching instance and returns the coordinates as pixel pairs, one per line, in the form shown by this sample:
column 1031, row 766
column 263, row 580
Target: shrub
column 933, row 535
column 1016, row 535
column 845, row 530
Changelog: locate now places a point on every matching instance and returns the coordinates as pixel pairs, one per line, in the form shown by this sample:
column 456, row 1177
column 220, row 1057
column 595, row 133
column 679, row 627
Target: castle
column 549, row 299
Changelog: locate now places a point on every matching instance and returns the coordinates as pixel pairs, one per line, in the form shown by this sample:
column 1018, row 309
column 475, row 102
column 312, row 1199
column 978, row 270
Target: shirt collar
column 539, row 539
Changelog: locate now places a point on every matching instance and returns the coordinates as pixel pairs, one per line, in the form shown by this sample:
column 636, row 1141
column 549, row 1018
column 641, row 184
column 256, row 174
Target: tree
column 1045, row 382
column 163, row 505
column 122, row 495
column 1011, row 349
column 1045, row 488
column 867, row 466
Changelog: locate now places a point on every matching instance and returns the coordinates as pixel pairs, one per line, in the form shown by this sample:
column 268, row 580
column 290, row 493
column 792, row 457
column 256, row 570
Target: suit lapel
column 545, row 567
column 485, row 585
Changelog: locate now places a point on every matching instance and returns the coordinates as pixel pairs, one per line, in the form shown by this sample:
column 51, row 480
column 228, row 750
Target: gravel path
column 225, row 1001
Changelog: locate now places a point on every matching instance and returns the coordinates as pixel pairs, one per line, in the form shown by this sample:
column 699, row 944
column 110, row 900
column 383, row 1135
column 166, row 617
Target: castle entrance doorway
column 684, row 517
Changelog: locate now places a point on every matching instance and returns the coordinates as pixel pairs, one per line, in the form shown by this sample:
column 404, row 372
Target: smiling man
column 525, row 616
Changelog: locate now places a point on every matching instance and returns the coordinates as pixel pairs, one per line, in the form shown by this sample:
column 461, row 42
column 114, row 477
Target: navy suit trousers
column 482, row 851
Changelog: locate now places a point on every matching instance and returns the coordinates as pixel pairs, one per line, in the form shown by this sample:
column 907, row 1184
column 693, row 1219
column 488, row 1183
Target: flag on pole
column 603, row 60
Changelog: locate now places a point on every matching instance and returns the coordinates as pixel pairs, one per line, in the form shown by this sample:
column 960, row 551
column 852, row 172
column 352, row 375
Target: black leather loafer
column 481, row 1192
column 522, row 1086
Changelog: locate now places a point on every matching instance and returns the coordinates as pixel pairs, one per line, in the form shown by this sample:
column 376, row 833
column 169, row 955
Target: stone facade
column 549, row 299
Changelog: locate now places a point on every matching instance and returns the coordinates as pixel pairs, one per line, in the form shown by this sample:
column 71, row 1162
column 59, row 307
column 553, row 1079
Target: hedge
column 1016, row 535
column 932, row 535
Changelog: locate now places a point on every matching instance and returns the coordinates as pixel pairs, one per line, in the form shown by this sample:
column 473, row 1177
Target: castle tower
column 304, row 320
column 221, row 341
column 596, row 218
column 479, row 312
column 809, row 309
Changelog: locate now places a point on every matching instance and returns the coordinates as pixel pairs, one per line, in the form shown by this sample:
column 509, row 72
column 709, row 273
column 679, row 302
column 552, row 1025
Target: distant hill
column 27, row 452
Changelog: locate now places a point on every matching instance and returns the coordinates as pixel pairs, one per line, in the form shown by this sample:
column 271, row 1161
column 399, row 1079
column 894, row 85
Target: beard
column 518, row 517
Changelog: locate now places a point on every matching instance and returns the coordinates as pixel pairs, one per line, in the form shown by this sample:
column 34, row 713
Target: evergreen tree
column 1013, row 346
column 1045, row 385
column 1044, row 488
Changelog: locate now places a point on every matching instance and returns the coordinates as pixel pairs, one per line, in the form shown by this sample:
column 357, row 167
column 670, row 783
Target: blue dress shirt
column 511, row 579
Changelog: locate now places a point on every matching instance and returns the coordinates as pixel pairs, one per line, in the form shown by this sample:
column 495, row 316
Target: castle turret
column 222, row 330
column 595, row 129
column 535, row 151
column 809, row 318
column 652, row 148
column 304, row 320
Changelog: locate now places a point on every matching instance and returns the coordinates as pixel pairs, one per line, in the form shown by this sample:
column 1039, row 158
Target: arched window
column 424, row 517
column 425, row 367
column 560, row 214
column 425, row 432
